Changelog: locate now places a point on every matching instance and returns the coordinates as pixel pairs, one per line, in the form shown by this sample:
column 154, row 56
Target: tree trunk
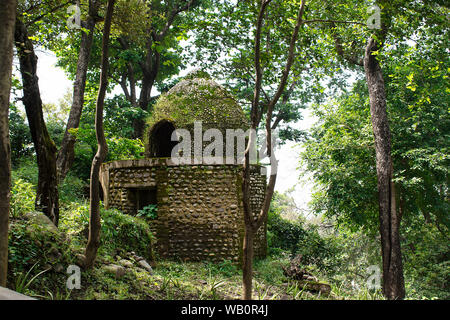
column 47, row 190
column 66, row 152
column 393, row 282
column 150, row 69
column 247, row 262
column 130, row 75
column 7, row 21
column 102, row 148
column 254, row 221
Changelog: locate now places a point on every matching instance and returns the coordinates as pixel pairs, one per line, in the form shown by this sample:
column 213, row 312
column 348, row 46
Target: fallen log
column 314, row 286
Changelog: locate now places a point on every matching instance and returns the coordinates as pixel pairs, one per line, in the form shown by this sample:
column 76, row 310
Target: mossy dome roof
column 199, row 98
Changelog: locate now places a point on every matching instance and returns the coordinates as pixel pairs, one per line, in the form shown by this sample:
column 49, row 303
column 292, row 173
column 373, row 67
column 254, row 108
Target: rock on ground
column 144, row 264
column 118, row 271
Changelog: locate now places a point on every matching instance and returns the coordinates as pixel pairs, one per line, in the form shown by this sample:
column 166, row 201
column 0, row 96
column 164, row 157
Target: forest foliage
column 148, row 55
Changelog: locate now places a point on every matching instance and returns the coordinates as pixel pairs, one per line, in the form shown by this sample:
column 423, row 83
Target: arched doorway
column 161, row 143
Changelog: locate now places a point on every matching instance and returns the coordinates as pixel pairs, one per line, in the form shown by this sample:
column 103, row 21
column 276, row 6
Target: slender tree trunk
column 130, row 75
column 254, row 221
column 393, row 282
column 47, row 190
column 132, row 84
column 150, row 69
column 248, row 255
column 7, row 21
column 102, row 148
column 67, row 151
column 251, row 227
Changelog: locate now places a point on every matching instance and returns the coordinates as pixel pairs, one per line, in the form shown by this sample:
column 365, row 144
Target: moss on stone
column 198, row 98
column 197, row 73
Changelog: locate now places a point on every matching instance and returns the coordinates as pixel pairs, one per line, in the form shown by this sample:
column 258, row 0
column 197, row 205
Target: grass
column 23, row 281
column 170, row 280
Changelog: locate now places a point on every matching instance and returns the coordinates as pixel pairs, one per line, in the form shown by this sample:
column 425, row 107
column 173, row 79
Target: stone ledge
column 6, row 294
column 137, row 185
column 157, row 162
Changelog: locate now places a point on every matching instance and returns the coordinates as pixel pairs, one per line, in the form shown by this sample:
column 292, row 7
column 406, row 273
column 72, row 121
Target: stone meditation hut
column 199, row 203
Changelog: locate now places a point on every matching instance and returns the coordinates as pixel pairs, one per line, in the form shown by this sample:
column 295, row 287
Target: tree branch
column 340, row 50
column 258, row 80
column 284, row 77
column 332, row 21
column 47, row 13
column 172, row 16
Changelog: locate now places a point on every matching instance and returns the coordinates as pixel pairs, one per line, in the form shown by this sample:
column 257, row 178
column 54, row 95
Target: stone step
column 6, row 294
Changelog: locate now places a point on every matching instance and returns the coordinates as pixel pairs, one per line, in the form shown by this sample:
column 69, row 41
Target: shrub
column 35, row 245
column 119, row 232
column 318, row 251
column 22, row 198
column 74, row 219
column 26, row 170
column 284, row 234
column 71, row 189
column 426, row 259
column 118, row 124
column 149, row 212
column 19, row 135
column 126, row 233
column 297, row 238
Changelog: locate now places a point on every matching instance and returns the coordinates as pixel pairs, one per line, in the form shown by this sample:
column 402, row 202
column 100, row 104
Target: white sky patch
column 53, row 82
column 289, row 171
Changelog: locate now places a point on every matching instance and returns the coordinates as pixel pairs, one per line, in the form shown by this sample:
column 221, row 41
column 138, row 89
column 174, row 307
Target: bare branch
column 332, row 21
column 340, row 51
column 47, row 13
column 284, row 77
column 258, row 80
column 175, row 11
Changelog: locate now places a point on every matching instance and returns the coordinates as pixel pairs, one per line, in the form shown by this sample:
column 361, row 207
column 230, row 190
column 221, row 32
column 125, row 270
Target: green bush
column 36, row 244
column 149, row 212
column 123, row 148
column 298, row 238
column 126, row 233
column 26, row 170
column 71, row 189
column 22, row 198
column 118, row 124
column 19, row 136
column 119, row 232
column 284, row 234
column 74, row 219
column 426, row 260
column 318, row 250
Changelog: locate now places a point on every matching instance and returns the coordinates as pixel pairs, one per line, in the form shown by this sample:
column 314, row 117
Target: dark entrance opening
column 161, row 143
column 143, row 198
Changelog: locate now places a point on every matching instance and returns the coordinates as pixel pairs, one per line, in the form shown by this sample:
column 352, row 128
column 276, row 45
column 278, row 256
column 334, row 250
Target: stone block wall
column 200, row 214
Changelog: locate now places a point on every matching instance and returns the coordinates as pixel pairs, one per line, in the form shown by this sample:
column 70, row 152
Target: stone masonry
column 200, row 214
